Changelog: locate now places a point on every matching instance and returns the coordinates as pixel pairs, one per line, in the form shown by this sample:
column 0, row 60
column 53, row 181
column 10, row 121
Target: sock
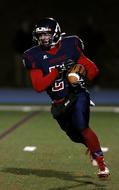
column 92, row 142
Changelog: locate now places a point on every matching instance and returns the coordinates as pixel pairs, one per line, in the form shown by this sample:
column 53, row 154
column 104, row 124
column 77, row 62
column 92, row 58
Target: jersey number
column 59, row 83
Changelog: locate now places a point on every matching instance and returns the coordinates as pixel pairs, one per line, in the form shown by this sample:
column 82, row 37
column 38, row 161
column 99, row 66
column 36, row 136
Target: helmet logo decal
column 57, row 28
column 43, row 29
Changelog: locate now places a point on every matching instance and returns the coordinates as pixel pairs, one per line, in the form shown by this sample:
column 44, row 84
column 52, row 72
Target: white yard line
column 29, row 108
column 24, row 108
column 105, row 109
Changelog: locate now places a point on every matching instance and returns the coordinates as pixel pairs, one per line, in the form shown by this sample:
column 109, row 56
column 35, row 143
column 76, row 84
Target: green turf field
column 57, row 163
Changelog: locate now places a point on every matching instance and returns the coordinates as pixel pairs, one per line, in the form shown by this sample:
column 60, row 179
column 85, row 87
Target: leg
column 65, row 123
column 80, row 118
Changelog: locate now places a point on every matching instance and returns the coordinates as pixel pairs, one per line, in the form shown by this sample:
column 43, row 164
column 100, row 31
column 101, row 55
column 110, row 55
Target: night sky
column 73, row 18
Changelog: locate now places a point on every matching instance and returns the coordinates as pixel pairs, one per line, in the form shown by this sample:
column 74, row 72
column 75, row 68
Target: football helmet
column 47, row 32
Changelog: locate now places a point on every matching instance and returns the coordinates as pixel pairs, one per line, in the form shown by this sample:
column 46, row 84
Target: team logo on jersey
column 45, row 56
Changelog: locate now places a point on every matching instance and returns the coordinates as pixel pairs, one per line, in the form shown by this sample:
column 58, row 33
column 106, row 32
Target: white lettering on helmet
column 43, row 29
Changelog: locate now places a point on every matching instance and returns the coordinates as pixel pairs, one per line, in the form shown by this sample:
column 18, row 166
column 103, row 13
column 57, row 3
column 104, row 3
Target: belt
column 58, row 101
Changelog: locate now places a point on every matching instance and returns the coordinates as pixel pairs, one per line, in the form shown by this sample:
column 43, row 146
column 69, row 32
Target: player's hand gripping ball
column 75, row 73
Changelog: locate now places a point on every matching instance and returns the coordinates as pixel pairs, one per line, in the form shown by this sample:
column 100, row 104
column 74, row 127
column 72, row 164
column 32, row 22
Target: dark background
column 96, row 22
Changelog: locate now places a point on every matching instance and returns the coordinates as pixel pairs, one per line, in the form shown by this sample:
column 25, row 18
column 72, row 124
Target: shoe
column 94, row 162
column 103, row 173
column 99, row 161
column 103, row 170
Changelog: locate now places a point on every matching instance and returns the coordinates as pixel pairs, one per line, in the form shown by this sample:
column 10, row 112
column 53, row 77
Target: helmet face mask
column 47, row 33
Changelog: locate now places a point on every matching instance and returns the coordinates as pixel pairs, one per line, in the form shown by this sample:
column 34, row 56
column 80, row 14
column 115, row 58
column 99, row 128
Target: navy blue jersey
column 36, row 58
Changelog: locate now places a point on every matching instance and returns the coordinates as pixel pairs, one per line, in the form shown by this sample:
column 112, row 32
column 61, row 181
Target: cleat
column 103, row 170
column 99, row 161
column 103, row 174
column 94, row 162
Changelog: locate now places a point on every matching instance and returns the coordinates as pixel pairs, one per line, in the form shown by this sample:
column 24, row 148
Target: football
column 73, row 78
column 75, row 73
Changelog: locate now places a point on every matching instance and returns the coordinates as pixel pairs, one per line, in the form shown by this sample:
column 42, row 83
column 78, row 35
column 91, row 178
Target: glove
column 81, row 83
column 60, row 68
column 69, row 63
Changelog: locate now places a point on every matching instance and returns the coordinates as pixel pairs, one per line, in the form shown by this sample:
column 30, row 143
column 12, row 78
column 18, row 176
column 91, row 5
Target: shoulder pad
column 75, row 40
column 79, row 43
column 27, row 61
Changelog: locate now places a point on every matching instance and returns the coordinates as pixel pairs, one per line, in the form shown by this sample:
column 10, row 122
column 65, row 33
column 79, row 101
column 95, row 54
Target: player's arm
column 91, row 69
column 40, row 82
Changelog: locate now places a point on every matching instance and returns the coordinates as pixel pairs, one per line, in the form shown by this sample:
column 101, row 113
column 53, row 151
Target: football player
column 49, row 63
